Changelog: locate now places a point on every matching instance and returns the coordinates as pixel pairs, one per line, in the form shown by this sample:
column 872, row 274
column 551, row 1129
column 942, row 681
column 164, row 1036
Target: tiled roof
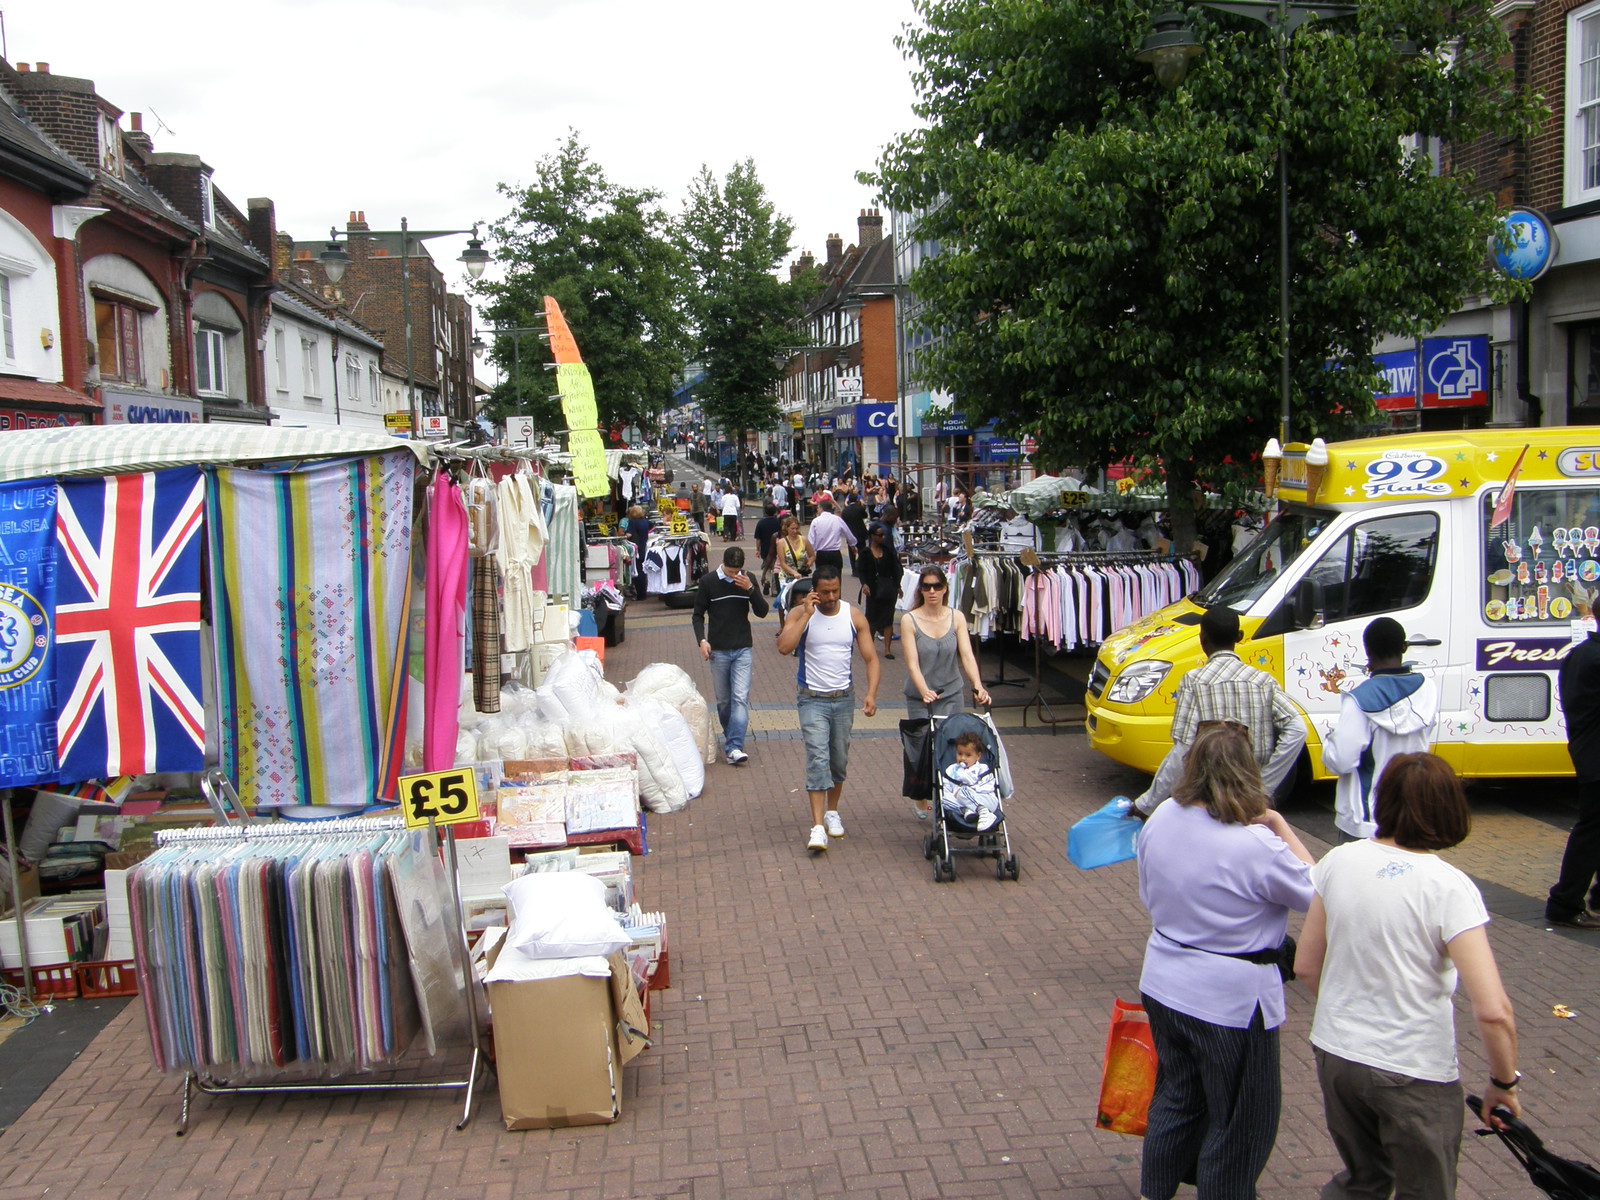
column 19, row 132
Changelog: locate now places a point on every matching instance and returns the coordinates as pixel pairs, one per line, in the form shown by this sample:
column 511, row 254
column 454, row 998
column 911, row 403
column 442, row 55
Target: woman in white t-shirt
column 1391, row 929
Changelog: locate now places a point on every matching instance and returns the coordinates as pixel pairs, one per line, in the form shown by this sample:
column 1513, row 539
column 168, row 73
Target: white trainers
column 737, row 758
column 986, row 820
column 819, row 838
column 834, row 825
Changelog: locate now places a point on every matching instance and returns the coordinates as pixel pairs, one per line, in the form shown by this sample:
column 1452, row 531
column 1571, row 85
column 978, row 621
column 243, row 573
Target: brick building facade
column 1543, row 356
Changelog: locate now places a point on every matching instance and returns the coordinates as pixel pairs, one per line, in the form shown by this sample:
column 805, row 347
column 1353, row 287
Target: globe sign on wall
column 1526, row 246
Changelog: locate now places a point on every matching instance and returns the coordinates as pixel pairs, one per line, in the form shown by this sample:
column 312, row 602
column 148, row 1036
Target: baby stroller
column 952, row 834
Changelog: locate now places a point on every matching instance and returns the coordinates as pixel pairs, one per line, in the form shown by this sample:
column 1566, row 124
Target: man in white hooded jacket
column 1391, row 712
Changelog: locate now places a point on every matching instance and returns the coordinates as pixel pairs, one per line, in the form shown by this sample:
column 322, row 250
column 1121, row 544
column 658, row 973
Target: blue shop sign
column 844, row 420
column 876, row 420
column 824, row 423
column 1450, row 372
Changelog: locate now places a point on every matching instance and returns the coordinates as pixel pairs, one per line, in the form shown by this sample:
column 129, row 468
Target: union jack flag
column 128, row 625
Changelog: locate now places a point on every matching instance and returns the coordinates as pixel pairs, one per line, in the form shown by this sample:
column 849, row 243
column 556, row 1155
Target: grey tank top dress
column 939, row 660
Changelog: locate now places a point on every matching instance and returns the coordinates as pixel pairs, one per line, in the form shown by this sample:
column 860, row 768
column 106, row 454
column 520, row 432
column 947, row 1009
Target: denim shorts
column 825, row 726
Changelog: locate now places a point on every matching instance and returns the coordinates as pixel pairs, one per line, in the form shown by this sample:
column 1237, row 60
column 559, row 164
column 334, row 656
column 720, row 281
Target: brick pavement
column 838, row 1026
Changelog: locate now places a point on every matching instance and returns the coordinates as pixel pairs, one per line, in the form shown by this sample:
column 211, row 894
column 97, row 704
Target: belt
column 825, row 695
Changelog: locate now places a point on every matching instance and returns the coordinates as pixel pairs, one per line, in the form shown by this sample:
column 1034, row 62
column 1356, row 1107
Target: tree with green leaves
column 1109, row 265
column 734, row 241
column 607, row 255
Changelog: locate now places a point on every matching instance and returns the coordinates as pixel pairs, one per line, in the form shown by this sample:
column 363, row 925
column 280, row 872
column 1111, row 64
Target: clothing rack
column 345, row 826
column 1047, row 559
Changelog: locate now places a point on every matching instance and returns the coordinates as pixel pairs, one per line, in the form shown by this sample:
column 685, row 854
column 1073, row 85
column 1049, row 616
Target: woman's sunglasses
column 931, row 585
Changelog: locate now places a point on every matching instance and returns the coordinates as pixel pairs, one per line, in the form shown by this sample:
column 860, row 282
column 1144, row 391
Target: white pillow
column 562, row 915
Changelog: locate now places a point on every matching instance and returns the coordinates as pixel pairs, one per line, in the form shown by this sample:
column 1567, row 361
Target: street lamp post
column 1168, row 50
column 479, row 347
column 335, row 259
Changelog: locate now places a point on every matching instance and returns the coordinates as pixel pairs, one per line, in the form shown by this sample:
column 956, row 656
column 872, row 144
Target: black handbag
column 918, row 760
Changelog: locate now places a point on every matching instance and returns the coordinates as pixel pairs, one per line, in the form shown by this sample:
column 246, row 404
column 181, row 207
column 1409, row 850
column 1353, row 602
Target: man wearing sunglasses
column 1225, row 688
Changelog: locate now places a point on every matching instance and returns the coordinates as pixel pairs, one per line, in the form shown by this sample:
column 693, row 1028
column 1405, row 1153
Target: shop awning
column 32, row 391
column 112, row 449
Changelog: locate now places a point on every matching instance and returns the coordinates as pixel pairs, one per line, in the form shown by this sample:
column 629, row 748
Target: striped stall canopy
column 115, row 449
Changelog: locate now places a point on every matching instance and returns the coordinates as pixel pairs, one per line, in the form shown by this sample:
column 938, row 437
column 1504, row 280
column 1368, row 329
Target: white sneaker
column 986, row 820
column 819, row 838
column 834, row 825
column 737, row 758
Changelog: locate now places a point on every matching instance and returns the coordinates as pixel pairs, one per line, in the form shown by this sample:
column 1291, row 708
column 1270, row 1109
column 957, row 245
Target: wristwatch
column 1506, row 1087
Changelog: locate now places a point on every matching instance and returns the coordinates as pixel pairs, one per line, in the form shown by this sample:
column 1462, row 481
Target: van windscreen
column 1255, row 568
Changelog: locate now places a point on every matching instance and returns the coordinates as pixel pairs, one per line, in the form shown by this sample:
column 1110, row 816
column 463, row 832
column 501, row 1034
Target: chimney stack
column 24, row 68
column 42, row 68
column 358, row 222
column 869, row 228
column 835, row 249
column 137, row 135
column 807, row 260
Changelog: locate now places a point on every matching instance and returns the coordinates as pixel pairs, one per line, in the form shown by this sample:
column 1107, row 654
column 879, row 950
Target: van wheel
column 1294, row 782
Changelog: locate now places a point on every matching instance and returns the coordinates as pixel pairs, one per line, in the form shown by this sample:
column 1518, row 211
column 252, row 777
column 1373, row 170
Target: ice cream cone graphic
column 1316, row 466
column 1271, row 461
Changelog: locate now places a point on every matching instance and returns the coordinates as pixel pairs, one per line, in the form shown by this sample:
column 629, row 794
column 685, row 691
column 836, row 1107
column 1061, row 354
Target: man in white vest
column 821, row 630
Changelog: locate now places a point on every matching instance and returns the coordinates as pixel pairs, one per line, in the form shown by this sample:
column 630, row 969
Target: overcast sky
column 419, row 108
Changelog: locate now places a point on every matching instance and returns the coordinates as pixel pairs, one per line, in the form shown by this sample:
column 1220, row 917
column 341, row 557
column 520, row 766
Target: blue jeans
column 825, row 728
column 730, row 675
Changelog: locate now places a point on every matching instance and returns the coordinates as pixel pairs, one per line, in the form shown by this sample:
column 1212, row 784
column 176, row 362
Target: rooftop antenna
column 4, row 53
column 160, row 122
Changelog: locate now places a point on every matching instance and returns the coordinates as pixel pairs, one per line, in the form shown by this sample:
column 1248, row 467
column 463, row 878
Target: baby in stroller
column 973, row 794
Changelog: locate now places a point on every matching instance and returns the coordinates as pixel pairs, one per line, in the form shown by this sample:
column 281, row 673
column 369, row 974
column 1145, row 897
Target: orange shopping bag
column 1128, row 1080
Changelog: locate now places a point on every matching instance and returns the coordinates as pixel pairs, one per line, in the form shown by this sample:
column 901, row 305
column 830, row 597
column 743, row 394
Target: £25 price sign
column 447, row 797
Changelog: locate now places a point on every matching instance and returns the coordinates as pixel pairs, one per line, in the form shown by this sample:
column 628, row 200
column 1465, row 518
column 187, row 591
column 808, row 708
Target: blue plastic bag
column 1105, row 836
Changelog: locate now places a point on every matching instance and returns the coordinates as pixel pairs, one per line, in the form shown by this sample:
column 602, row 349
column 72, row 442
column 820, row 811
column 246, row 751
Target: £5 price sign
column 446, row 797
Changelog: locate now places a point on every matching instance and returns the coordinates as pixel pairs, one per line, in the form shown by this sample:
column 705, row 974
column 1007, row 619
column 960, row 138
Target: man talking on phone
column 823, row 632
column 729, row 596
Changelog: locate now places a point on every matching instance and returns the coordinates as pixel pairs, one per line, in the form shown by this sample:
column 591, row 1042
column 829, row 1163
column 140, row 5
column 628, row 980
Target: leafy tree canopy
column 1108, row 274
column 734, row 241
column 605, row 252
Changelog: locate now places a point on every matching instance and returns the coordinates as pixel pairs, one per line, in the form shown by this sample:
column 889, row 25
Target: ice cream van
column 1402, row 526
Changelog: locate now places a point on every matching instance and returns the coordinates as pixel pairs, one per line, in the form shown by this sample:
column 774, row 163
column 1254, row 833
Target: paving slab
column 837, row 1025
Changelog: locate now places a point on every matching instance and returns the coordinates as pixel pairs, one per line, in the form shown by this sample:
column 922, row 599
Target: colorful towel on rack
column 310, row 575
column 27, row 623
column 128, row 678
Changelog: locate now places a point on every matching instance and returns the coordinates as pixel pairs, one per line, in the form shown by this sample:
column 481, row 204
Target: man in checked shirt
column 1226, row 688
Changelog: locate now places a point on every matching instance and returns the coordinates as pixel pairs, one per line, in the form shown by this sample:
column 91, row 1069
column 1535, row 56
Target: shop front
column 1438, row 383
column 32, row 404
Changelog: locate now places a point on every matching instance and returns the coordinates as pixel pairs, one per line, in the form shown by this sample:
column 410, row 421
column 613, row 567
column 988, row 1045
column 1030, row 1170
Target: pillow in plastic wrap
column 661, row 784
column 674, row 686
column 466, row 746
column 569, row 688
column 545, row 738
column 562, row 915
column 659, row 727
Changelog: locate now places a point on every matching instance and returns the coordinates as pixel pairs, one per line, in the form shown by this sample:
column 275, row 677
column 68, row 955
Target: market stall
column 297, row 611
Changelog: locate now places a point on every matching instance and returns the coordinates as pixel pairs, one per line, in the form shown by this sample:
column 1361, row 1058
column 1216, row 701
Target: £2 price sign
column 448, row 797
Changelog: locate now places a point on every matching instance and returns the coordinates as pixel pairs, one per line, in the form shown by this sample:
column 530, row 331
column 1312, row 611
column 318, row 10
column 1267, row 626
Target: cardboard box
column 560, row 1045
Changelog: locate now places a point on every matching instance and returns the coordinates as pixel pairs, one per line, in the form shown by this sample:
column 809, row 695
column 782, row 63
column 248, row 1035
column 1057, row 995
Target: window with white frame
column 1583, row 104
column 308, row 368
column 7, row 331
column 280, row 357
column 372, row 383
column 352, row 376
column 110, row 145
column 210, row 362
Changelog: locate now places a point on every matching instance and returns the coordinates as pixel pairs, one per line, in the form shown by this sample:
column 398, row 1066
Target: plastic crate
column 59, row 982
column 99, row 980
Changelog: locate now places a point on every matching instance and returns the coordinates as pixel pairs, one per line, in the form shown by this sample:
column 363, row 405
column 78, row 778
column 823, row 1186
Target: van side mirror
column 1309, row 605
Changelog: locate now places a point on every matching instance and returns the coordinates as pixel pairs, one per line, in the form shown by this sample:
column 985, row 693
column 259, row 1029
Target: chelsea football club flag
column 27, row 636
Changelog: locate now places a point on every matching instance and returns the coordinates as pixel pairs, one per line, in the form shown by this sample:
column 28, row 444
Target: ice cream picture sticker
column 1403, row 473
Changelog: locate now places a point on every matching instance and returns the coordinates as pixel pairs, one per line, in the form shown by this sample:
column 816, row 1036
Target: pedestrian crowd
column 1391, row 929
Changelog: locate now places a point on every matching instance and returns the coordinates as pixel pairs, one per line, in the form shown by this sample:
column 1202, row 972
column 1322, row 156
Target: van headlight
column 1137, row 681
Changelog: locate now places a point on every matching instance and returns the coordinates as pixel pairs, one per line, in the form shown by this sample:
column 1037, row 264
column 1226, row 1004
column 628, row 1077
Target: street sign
column 397, row 420
column 435, row 427
column 520, row 431
column 1030, row 445
column 448, row 797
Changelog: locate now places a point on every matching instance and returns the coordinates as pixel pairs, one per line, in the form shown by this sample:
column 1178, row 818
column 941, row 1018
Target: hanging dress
column 446, row 624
